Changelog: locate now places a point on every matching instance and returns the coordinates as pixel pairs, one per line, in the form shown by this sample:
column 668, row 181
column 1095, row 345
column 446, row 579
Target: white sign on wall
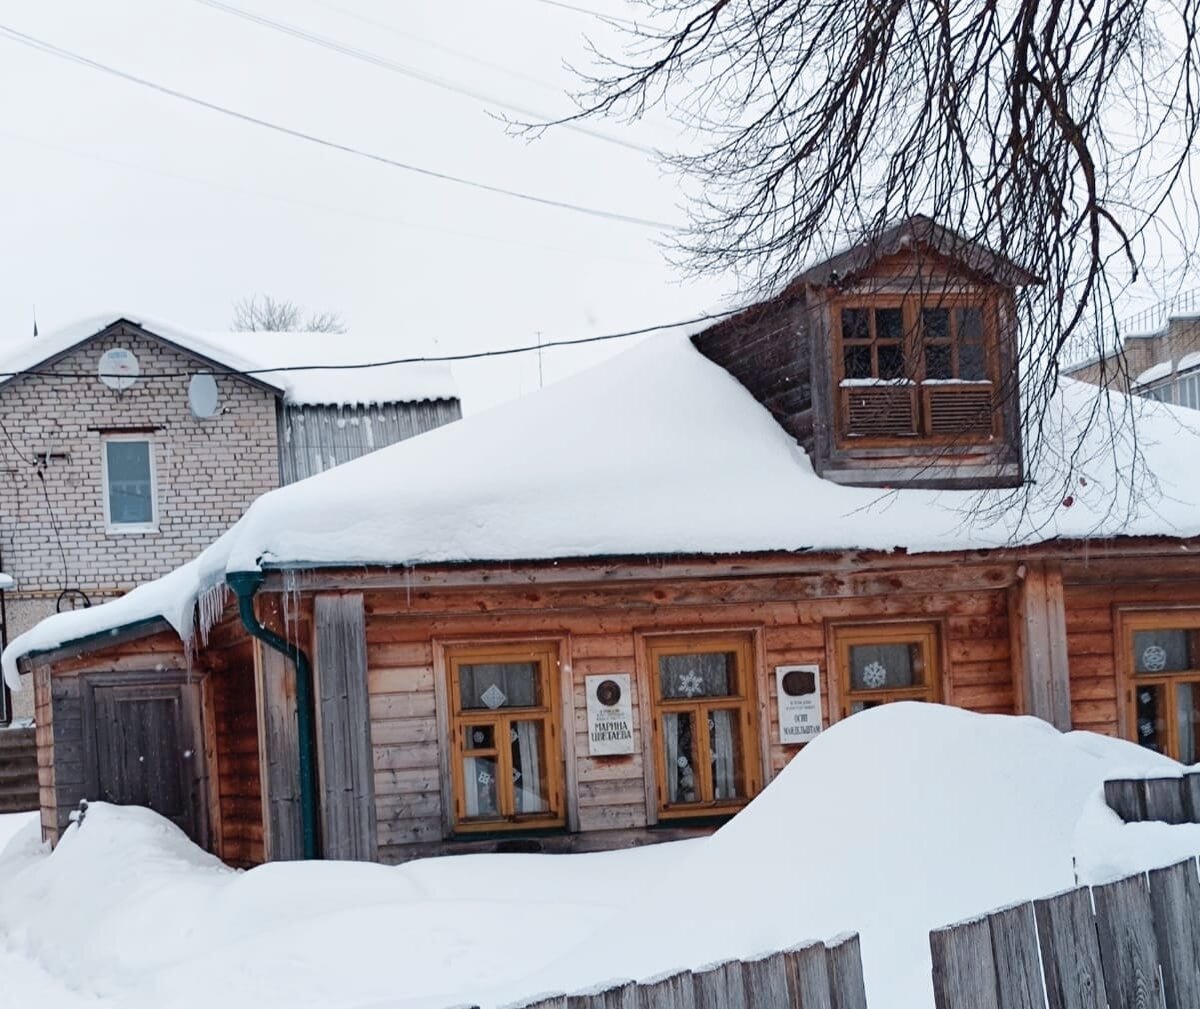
column 609, row 715
column 798, row 694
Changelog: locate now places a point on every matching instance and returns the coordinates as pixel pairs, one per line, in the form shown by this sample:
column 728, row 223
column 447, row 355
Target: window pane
column 679, row 753
column 704, row 674
column 480, row 786
column 130, row 497
column 854, row 324
column 886, row 667
column 970, row 325
column 938, row 362
column 935, row 322
column 500, row 685
column 891, row 360
column 1152, row 717
column 1187, row 697
column 889, row 324
column 480, row 737
column 1163, row 651
column 530, row 787
column 972, row 362
column 857, row 362
column 725, row 738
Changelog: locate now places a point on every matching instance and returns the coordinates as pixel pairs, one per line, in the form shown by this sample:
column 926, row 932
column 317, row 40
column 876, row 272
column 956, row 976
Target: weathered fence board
column 809, row 982
column 846, row 972
column 765, row 982
column 1070, row 951
column 1126, row 798
column 964, row 969
column 1016, row 956
column 667, row 991
column 720, row 986
column 1171, row 800
column 1175, row 900
column 1163, row 799
column 1128, row 950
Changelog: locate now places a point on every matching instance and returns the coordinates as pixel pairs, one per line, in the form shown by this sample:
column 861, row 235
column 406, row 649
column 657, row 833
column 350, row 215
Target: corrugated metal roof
column 317, row 438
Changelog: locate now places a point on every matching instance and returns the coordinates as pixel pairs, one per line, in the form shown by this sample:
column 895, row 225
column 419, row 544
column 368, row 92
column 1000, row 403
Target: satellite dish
column 119, row 369
column 202, row 395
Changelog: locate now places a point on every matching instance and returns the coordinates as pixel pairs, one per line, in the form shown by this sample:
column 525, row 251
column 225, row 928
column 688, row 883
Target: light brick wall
column 208, row 472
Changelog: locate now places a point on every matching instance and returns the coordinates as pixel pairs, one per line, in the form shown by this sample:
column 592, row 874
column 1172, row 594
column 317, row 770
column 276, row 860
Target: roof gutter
column 245, row 584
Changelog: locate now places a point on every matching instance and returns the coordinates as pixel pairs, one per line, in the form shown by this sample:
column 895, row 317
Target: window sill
column 132, row 530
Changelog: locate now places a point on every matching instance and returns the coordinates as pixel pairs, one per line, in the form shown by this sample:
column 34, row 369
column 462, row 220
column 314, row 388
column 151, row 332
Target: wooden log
column 846, row 972
column 1128, row 947
column 1070, row 951
column 1126, row 798
column 809, row 985
column 720, row 986
column 1175, row 901
column 666, row 991
column 1015, row 953
column 964, row 969
column 765, row 980
column 1164, row 800
column 1039, row 643
column 278, row 742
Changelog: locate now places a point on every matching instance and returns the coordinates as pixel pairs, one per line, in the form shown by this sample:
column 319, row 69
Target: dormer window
column 909, row 368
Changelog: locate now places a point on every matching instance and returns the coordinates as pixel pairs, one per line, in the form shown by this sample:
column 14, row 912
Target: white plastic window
column 130, row 491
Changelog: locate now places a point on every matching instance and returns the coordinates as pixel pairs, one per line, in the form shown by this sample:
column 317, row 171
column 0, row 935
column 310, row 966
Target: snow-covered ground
column 893, row 822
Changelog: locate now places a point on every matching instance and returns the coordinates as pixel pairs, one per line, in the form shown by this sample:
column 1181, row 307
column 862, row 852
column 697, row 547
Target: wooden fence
column 1132, row 944
column 1172, row 800
column 814, row 976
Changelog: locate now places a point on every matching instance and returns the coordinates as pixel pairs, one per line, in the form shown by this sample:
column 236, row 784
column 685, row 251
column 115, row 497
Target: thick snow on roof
column 254, row 352
column 660, row 451
column 1153, row 373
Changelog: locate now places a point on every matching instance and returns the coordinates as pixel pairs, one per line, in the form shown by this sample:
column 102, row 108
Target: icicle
column 210, row 604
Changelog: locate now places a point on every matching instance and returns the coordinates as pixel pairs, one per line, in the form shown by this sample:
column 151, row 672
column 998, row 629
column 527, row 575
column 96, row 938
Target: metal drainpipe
column 245, row 584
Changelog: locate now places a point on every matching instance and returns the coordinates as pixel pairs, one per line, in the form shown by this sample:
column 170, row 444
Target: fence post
column 1015, row 953
column 1126, row 798
column 810, row 981
column 964, row 969
column 1128, row 950
column 667, row 991
column 720, row 986
column 766, row 983
column 1175, row 901
column 1165, row 800
column 1070, row 951
column 846, row 972
column 1191, row 796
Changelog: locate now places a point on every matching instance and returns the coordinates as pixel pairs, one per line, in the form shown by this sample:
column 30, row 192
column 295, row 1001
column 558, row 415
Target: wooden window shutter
column 958, row 410
column 880, row 410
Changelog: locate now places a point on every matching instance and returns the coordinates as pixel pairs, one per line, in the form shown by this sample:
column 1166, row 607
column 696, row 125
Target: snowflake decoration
column 512, row 735
column 690, row 684
column 1154, row 658
column 485, row 778
column 516, row 775
column 681, row 761
column 477, row 736
column 874, row 674
column 493, row 697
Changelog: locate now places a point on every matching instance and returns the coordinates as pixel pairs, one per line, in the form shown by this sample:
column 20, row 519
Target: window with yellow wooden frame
column 1161, row 664
column 705, row 728
column 879, row 663
column 506, row 757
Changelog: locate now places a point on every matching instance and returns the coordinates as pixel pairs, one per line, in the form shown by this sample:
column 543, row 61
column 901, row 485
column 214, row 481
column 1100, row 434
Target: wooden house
column 611, row 612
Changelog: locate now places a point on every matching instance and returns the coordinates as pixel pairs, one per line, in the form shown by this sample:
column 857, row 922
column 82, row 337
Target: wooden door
column 145, row 749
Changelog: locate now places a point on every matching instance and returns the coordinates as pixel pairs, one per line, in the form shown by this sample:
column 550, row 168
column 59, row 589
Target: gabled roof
column 658, row 451
column 915, row 231
column 251, row 356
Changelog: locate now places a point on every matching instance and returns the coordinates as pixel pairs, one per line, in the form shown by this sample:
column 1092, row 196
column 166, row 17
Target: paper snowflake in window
column 516, row 775
column 874, row 674
column 485, row 778
column 493, row 697
column 681, row 761
column 512, row 735
column 690, row 684
column 477, row 736
column 1154, row 658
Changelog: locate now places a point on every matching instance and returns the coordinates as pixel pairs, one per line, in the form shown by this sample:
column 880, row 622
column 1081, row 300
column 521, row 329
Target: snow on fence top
column 262, row 350
column 659, row 451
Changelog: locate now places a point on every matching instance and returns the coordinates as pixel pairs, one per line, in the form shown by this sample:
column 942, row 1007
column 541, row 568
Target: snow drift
column 893, row 822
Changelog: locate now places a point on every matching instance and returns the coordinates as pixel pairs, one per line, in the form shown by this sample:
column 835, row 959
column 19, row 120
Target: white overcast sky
column 119, row 198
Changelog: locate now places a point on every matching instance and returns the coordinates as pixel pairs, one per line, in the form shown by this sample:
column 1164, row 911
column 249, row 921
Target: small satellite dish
column 202, row 395
column 119, row 369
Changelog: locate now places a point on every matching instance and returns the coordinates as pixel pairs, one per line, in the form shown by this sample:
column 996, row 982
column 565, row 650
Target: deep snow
column 571, row 472
column 893, row 822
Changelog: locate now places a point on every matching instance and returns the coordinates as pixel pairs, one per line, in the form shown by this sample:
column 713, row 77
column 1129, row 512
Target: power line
column 66, row 54
column 437, row 359
column 366, row 56
column 587, row 10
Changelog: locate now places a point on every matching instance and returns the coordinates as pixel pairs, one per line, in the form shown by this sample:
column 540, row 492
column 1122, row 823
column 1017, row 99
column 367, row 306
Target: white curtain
column 724, row 760
column 671, row 737
column 528, row 786
column 1185, row 717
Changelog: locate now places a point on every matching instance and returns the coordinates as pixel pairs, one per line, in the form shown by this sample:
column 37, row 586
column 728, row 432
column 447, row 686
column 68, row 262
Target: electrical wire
column 587, row 10
column 65, row 54
column 429, row 359
column 384, row 63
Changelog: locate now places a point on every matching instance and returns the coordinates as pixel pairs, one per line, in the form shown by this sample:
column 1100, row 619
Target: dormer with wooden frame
column 894, row 363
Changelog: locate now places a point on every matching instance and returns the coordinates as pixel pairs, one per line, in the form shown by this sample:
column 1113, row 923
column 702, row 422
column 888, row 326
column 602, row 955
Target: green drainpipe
column 245, row 584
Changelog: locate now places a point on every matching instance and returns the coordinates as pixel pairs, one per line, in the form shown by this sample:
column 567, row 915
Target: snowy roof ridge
column 657, row 452
column 276, row 360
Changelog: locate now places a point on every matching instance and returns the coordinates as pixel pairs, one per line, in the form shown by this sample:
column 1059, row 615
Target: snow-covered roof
column 660, row 451
column 260, row 352
column 1189, row 361
column 1154, row 373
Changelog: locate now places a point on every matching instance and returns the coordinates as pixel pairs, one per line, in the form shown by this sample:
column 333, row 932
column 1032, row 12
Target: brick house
column 108, row 485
